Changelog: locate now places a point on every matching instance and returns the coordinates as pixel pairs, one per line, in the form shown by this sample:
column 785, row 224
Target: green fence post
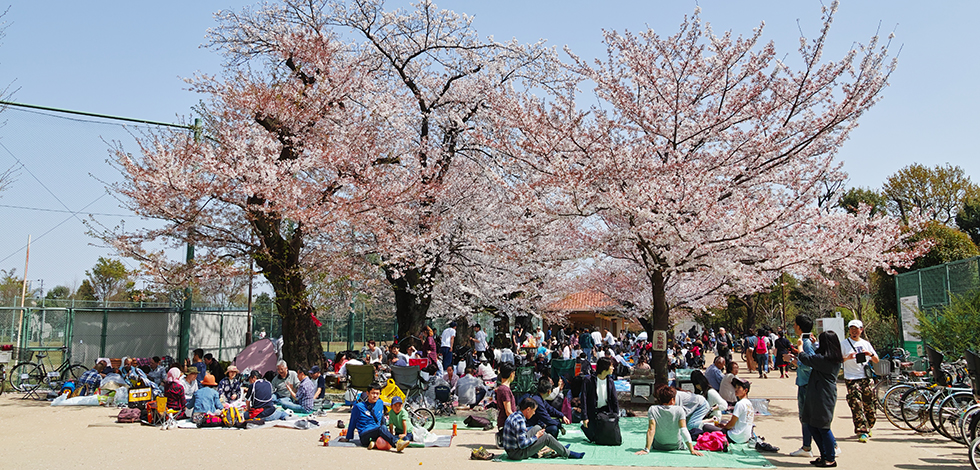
column 221, row 334
column 105, row 324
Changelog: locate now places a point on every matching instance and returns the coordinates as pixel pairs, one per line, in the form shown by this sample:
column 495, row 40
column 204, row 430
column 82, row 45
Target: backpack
column 762, row 345
column 128, row 415
column 232, row 417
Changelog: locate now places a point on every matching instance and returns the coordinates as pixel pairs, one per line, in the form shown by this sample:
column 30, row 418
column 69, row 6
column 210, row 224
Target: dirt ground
column 36, row 435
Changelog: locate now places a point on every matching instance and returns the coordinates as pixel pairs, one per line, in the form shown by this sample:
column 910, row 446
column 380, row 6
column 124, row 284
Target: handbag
column 607, row 429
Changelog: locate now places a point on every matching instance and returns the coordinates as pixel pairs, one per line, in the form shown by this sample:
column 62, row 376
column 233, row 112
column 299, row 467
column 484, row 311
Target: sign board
column 910, row 325
column 659, row 340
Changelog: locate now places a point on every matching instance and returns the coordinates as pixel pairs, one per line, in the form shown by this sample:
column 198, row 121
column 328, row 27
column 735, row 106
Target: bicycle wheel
column 893, row 406
column 975, row 453
column 881, row 388
column 73, row 373
column 915, row 409
column 968, row 423
column 951, row 413
column 934, row 403
column 26, row 376
column 423, row 418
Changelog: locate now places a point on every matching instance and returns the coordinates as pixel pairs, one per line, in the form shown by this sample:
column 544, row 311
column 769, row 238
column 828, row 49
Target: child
column 400, row 424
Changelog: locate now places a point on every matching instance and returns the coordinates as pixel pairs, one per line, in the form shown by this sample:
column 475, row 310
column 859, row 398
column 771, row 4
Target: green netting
column 634, row 438
column 934, row 286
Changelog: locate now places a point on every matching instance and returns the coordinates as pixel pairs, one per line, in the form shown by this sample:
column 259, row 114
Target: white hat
column 855, row 323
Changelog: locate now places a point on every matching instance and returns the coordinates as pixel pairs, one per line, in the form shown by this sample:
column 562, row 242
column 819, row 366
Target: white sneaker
column 801, row 452
column 836, row 450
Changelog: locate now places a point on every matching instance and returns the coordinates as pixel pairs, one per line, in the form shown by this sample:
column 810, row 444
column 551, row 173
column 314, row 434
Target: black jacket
column 589, row 396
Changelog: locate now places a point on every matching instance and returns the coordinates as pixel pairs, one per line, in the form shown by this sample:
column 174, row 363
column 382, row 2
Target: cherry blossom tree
column 703, row 171
column 340, row 136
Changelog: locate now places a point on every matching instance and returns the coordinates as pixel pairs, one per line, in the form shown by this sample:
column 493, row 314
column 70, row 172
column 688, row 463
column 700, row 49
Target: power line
column 73, row 215
column 101, row 116
column 41, row 209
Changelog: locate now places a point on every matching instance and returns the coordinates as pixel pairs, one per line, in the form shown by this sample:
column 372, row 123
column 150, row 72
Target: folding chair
column 360, row 377
column 523, row 381
column 563, row 369
column 407, row 379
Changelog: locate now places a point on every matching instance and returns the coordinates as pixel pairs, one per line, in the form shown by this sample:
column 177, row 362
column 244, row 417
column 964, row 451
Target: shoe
column 836, row 450
column 818, row 461
column 824, row 463
column 863, row 438
column 576, row 455
column 801, row 452
column 562, row 430
column 340, row 424
column 402, row 444
column 371, row 445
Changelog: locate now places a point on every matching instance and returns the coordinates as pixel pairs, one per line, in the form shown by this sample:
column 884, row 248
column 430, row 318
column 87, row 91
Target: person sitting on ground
column 197, row 362
column 350, row 361
column 374, row 353
column 641, row 363
column 366, row 420
column 545, row 415
column 126, row 368
column 521, row 444
column 174, row 392
column 470, row 389
column 320, row 381
column 695, row 408
column 305, row 392
column 260, row 401
column 714, row 373
column 399, row 423
column 191, row 384
column 214, row 367
column 739, row 426
column 668, row 428
column 157, row 372
column 90, row 381
column 598, row 395
column 397, row 358
column 284, row 384
column 206, row 400
column 485, row 371
column 727, row 389
column 230, row 387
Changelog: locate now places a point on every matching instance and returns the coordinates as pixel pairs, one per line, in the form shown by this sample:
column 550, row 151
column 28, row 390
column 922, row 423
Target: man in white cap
column 857, row 354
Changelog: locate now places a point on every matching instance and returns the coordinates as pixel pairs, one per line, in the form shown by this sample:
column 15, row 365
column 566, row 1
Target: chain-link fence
column 929, row 290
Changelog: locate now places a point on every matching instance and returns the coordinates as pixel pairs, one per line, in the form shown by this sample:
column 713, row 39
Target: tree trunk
column 411, row 308
column 501, row 330
column 659, row 320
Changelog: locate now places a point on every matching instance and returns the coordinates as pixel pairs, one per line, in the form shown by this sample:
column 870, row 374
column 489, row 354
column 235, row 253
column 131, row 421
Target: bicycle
column 28, row 376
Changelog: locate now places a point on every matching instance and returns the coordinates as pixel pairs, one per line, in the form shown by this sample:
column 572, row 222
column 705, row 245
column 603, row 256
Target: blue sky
column 129, row 58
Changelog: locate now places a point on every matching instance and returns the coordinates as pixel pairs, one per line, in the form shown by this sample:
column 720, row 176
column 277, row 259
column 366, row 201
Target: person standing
column 857, row 353
column 446, row 347
column 585, row 340
column 762, row 353
column 821, row 394
column 804, row 326
column 479, row 339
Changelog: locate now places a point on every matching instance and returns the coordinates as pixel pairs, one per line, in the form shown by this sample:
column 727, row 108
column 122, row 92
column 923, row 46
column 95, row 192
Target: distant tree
column 58, row 292
column 85, row 291
column 937, row 193
column 109, row 279
column 854, row 197
column 968, row 219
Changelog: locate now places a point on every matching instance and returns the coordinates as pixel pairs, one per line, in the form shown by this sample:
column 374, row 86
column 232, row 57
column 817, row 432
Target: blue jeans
column 696, row 418
column 588, row 353
column 289, row 404
column 825, row 441
column 762, row 359
column 380, row 431
column 447, row 357
column 800, row 398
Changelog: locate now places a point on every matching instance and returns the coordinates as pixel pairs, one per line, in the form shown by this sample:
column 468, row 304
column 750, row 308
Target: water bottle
column 454, row 429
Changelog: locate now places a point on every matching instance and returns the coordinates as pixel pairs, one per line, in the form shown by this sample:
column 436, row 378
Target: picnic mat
column 634, row 438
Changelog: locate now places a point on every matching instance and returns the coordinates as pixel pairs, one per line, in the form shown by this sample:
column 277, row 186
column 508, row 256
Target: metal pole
column 185, row 314
column 105, row 324
column 23, row 291
column 251, row 275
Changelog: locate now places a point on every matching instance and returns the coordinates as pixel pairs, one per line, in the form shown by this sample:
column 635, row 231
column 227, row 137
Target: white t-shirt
column 539, row 337
column 597, row 339
column 480, row 344
column 601, row 393
column 566, row 352
column 610, row 339
column 745, row 413
column 447, row 337
column 853, row 370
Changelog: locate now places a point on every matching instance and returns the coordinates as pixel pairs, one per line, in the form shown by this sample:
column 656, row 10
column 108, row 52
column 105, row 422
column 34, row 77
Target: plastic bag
column 88, row 400
column 122, row 396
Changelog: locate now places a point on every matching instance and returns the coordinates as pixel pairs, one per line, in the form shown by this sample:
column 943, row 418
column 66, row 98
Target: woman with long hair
column 821, row 394
column 429, row 346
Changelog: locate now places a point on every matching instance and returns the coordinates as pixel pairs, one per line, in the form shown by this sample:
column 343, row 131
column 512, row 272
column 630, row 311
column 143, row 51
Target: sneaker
column 576, row 455
column 402, row 444
column 863, row 438
column 371, row 445
column 340, row 424
column 801, row 452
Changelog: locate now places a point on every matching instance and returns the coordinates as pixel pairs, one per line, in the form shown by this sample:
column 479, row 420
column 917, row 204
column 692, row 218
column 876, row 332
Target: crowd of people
column 481, row 376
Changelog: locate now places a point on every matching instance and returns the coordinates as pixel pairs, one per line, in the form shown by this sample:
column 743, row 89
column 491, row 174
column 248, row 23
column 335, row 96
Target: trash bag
column 63, row 400
column 113, row 382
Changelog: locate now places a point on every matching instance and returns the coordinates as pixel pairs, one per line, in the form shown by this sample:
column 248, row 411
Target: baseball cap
column 313, row 370
column 396, row 400
column 856, row 323
column 737, row 382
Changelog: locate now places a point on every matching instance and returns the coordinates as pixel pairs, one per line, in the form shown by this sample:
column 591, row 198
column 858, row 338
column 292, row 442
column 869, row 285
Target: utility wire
column 73, row 215
column 55, row 196
column 41, row 209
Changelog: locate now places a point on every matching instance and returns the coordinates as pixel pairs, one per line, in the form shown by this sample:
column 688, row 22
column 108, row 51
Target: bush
column 954, row 328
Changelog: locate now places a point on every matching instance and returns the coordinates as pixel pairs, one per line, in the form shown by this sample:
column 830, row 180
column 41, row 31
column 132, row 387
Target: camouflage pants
column 861, row 399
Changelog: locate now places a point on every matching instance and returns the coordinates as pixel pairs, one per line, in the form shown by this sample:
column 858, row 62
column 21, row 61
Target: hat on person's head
column 855, row 323
column 452, row 324
column 313, row 370
column 231, row 369
column 396, row 400
column 191, row 370
column 209, row 380
column 737, row 382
